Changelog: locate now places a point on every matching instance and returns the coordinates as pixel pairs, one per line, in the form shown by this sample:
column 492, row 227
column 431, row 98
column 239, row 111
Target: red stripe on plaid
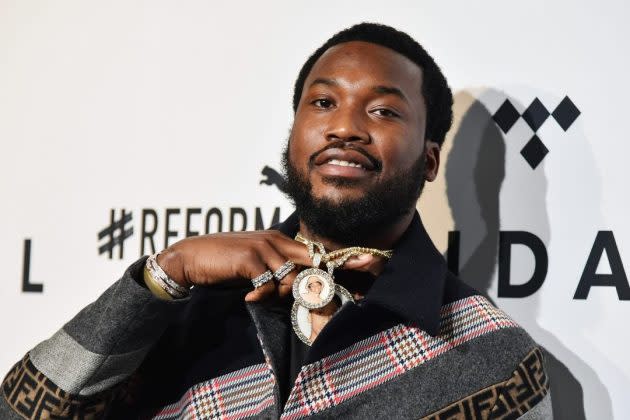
column 237, row 395
column 386, row 355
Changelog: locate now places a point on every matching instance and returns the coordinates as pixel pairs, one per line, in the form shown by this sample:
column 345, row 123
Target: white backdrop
column 149, row 106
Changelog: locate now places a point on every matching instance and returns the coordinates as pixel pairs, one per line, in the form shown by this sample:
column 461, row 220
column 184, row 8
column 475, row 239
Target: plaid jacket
column 420, row 345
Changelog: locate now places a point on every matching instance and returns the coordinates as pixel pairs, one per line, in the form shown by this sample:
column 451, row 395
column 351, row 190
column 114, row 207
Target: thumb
column 358, row 262
column 365, row 262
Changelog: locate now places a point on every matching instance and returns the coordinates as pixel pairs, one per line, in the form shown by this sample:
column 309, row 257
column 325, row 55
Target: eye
column 322, row 103
column 386, row 112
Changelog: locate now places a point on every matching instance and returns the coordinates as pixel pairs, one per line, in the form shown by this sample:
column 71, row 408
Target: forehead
column 359, row 62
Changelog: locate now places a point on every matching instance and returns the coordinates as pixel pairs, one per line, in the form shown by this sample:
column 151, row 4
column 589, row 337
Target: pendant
column 313, row 288
column 307, row 323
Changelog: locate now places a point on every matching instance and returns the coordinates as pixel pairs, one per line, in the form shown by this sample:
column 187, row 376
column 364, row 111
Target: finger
column 285, row 287
column 289, row 248
column 365, row 262
column 261, row 293
column 271, row 259
column 294, row 251
column 359, row 262
column 254, row 267
column 275, row 260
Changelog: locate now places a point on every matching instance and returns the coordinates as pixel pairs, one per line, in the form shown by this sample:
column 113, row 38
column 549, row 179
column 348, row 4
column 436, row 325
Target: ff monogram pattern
column 391, row 353
column 237, row 395
column 506, row 400
column 32, row 395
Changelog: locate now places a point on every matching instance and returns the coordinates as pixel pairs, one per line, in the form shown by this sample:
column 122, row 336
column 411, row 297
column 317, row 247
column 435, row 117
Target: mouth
column 338, row 162
column 345, row 163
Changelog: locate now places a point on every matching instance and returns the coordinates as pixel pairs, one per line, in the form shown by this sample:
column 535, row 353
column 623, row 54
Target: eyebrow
column 390, row 90
column 380, row 89
column 323, row 81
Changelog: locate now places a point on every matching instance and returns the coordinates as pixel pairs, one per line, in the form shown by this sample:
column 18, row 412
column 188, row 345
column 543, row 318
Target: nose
column 347, row 124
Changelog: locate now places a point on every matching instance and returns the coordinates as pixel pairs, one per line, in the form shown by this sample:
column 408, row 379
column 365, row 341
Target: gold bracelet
column 157, row 290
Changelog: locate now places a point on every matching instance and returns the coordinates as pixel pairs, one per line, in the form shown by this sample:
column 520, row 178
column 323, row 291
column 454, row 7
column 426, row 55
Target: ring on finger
column 262, row 279
column 284, row 269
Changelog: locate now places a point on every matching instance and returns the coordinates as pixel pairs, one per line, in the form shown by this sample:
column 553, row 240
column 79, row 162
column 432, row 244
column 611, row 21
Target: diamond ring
column 284, row 269
column 262, row 279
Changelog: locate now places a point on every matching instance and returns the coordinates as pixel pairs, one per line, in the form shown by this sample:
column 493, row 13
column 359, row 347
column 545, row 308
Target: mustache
column 375, row 162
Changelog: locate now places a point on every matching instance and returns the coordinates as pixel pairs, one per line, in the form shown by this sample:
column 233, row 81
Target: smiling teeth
column 344, row 163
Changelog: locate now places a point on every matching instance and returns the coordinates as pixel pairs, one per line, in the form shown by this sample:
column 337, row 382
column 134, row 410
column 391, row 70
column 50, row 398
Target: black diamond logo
column 534, row 151
column 566, row 113
column 506, row 116
column 535, row 114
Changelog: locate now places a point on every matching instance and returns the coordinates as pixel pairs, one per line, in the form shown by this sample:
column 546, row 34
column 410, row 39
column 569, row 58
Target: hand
column 218, row 258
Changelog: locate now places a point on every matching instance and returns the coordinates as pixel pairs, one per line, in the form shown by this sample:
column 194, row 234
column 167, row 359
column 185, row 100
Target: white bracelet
column 169, row 285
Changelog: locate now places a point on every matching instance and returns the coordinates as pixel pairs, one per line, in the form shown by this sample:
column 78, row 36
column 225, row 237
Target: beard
column 353, row 221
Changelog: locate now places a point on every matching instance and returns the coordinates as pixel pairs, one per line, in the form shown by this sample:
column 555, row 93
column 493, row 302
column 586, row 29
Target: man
column 371, row 111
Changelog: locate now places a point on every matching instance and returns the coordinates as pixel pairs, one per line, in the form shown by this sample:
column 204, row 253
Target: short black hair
column 435, row 90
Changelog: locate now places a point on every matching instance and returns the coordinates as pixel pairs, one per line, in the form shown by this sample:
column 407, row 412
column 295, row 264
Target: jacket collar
column 412, row 282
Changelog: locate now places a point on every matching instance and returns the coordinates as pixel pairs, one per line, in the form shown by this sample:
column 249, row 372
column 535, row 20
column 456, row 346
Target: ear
column 432, row 160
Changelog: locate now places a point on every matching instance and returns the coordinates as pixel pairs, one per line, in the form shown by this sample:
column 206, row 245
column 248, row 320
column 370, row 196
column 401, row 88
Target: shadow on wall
column 475, row 172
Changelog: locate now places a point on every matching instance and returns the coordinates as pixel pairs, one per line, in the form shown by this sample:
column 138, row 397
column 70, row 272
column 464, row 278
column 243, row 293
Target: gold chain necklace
column 339, row 257
column 315, row 289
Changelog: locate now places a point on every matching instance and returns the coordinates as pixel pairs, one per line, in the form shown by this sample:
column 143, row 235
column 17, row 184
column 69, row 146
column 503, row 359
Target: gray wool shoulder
column 107, row 340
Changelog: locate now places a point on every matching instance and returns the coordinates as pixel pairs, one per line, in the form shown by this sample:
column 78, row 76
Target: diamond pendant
column 313, row 288
column 308, row 322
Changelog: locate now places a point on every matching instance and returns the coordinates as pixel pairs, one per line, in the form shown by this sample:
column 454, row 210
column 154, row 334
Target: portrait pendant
column 307, row 323
column 313, row 288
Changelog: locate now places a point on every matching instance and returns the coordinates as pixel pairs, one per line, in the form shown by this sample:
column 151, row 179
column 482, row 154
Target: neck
column 385, row 239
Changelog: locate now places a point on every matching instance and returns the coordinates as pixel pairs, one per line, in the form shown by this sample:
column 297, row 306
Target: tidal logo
column 535, row 115
column 604, row 243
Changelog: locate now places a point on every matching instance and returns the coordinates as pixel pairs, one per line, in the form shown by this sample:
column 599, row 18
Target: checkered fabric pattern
column 391, row 353
column 237, row 395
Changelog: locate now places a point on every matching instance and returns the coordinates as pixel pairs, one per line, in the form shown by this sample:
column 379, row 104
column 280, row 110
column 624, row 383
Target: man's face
column 364, row 97
column 358, row 134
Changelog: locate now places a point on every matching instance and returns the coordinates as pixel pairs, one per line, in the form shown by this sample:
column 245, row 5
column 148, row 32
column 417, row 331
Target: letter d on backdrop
column 541, row 263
